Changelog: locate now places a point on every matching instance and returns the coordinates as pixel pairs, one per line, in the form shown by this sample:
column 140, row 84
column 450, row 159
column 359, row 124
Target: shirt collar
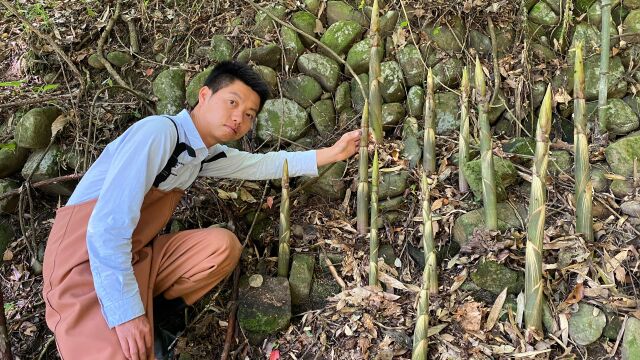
column 196, row 142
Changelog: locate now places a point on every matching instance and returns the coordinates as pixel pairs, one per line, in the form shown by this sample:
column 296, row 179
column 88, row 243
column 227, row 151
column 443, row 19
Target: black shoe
column 168, row 325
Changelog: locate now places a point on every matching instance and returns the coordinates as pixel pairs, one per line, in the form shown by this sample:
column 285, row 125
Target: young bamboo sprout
column 373, row 245
column 429, row 149
column 584, row 220
column 420, row 339
column 463, row 142
column 375, row 96
column 362, row 210
column 486, row 155
column 599, row 128
column 428, row 244
column 535, row 231
column 285, row 224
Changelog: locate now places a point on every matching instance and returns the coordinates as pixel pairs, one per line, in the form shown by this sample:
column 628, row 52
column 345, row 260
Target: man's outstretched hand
column 135, row 338
column 344, row 148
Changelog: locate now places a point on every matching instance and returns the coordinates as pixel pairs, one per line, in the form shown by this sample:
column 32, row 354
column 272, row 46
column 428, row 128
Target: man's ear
column 203, row 94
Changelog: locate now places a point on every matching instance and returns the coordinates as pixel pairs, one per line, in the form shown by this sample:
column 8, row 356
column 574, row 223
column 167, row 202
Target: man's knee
column 226, row 245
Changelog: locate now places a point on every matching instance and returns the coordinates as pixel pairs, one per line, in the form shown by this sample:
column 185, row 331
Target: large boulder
column 266, row 309
column 321, row 68
column 12, row 158
column 267, row 55
column 621, row 154
column 447, row 73
column 505, row 176
column 412, row 64
column 508, row 218
column 411, row 150
column 33, row 131
column 631, row 27
column 447, row 36
column 617, row 86
column 342, row 97
column 392, row 114
column 340, row 36
column 480, row 42
column 269, row 76
column 119, row 58
column 620, row 117
column 170, row 90
column 302, row 89
column 392, row 83
column 264, row 23
column 281, row 117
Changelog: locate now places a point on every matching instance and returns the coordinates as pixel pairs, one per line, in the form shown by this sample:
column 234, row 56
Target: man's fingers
column 147, row 339
column 126, row 349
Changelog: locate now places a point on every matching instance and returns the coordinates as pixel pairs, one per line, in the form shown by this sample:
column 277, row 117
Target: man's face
column 229, row 113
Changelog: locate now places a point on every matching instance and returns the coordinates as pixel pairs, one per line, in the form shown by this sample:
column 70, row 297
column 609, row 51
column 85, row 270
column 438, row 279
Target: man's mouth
column 232, row 129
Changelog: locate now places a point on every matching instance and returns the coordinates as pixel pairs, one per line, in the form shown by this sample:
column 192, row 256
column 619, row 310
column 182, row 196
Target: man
column 105, row 268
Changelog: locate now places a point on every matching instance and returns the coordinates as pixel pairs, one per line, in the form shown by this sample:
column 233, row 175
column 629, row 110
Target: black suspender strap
column 179, row 148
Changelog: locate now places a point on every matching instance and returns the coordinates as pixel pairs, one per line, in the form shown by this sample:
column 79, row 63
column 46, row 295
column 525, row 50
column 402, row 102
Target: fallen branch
column 231, row 324
column 334, row 272
column 44, row 183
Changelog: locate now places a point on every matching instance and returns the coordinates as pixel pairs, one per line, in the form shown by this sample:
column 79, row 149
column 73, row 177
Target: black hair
column 227, row 72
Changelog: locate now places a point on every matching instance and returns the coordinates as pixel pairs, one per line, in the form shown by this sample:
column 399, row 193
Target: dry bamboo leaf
column 58, row 124
column 576, row 294
column 469, row 315
column 459, row 280
column 434, row 330
column 494, row 314
column 520, row 309
column 564, row 328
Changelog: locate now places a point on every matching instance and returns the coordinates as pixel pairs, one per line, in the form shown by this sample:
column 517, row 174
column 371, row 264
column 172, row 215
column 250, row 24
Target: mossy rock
column 392, row 84
column 292, row 45
column 302, row 89
column 617, row 86
column 48, row 168
column 560, row 162
column 330, row 186
column 522, row 147
column 12, row 158
column 447, row 105
column 221, row 49
column 341, row 11
column 267, row 55
column 301, row 278
column 392, row 114
column 340, row 36
column 359, row 55
column 480, row 42
column 321, row 68
column 264, row 23
column 10, row 204
column 197, row 82
column 7, row 235
column 494, row 277
column 621, row 154
column 415, row 101
column 631, row 339
column 448, row 36
column 388, row 23
column 119, row 58
column 622, row 188
column 356, row 93
column 281, row 117
column 270, row 77
column 541, row 13
column 599, row 181
column 411, row 150
column 265, row 310
column 392, row 184
column 620, row 117
column 631, row 27
column 447, row 73
column 306, row 22
column 169, row 88
column 94, row 61
column 505, row 176
column 342, row 97
column 33, row 131
column 410, row 61
column 508, row 218
column 324, row 116
column 586, row 325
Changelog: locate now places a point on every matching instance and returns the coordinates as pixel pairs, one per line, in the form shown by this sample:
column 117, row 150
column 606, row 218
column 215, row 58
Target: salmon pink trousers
column 186, row 264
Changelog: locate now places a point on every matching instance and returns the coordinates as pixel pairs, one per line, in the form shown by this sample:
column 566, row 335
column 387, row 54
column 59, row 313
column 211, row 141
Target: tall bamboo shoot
column 535, row 231
column 428, row 243
column 600, row 126
column 375, row 97
column 429, row 149
column 486, row 155
column 373, row 246
column 463, row 141
column 420, row 333
column 362, row 209
column 285, row 224
column 584, row 220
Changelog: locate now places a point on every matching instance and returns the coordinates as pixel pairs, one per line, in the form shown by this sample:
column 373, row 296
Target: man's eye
column 232, row 102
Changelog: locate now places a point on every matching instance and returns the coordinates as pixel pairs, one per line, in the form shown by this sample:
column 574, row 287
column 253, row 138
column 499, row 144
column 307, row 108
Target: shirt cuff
column 123, row 310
